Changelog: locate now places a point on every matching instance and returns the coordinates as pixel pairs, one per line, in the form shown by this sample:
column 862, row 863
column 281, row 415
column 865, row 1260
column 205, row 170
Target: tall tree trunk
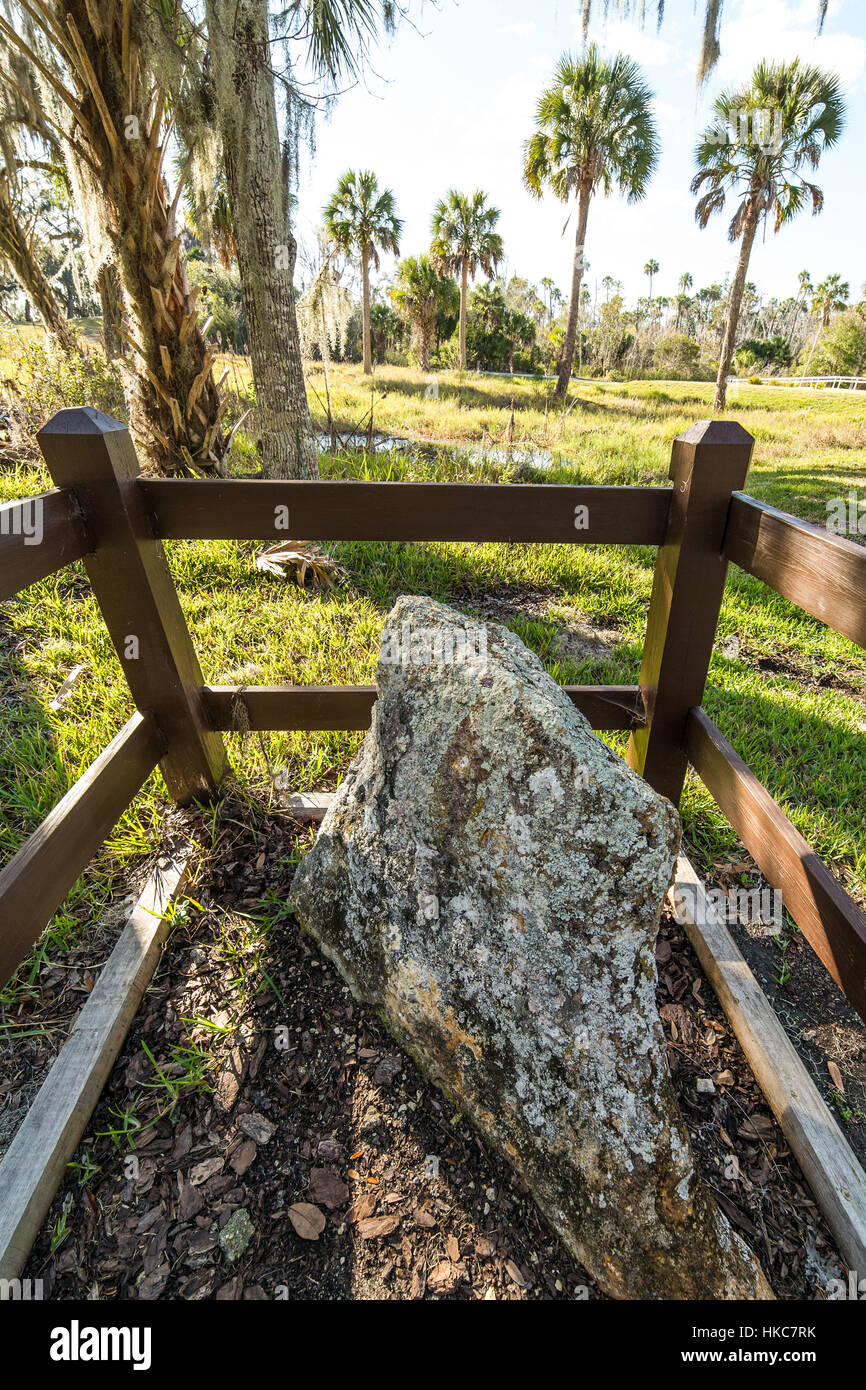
column 114, row 153
column 17, row 253
column 464, row 294
column 365, row 309
column 259, row 200
column 815, row 341
column 566, row 360
column 109, row 296
column 424, row 330
column 750, row 226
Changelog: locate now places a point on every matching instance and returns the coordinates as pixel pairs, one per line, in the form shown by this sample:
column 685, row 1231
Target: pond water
column 476, row 454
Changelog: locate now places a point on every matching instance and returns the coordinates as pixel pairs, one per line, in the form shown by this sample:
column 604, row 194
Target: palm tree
column 104, row 70
column 464, row 240
column 18, row 253
column 386, row 329
column 361, row 220
column 651, row 268
column 595, row 129
column 831, row 295
column 765, row 176
column 805, row 289
column 417, row 295
column 549, row 286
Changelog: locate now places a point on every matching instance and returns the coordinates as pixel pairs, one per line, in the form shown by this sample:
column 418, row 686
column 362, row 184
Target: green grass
column 801, row 726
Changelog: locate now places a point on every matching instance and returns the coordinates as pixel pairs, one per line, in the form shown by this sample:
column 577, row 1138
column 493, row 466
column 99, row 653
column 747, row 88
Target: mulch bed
column 305, row 1158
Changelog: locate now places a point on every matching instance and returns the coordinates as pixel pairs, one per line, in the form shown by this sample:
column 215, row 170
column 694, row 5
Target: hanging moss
column 710, row 44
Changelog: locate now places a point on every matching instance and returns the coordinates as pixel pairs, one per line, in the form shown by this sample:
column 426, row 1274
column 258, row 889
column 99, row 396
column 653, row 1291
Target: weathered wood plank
column 39, row 535
column 348, row 511
column 832, row 1171
column 282, row 707
column 708, row 462
column 94, row 455
column 822, row 573
column 309, row 806
column 36, row 880
column 828, row 918
column 35, row 1162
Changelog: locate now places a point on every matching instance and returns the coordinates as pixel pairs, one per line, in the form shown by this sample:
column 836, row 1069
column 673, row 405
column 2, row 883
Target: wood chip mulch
column 261, row 1137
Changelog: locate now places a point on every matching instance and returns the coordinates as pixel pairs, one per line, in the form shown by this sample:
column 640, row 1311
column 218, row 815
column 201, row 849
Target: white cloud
column 639, row 41
column 784, row 29
column 520, row 31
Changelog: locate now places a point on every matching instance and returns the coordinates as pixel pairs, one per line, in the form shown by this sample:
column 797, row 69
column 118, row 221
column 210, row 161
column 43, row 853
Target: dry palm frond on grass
column 299, row 558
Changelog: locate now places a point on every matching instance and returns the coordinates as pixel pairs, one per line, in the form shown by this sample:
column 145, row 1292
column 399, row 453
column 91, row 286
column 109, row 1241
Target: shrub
column 38, row 379
column 677, row 355
column 842, row 350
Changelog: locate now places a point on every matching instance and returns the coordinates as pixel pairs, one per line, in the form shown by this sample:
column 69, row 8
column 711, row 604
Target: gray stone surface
column 490, row 878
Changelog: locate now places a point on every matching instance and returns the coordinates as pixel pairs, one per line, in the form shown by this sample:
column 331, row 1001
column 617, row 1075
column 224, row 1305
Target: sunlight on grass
column 789, row 694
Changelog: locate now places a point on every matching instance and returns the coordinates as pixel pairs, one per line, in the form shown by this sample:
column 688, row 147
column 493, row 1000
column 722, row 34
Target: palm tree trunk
column 464, row 292
column 750, row 227
column 109, row 294
column 566, row 361
column 365, row 310
column 17, row 252
column 258, row 196
column 114, row 147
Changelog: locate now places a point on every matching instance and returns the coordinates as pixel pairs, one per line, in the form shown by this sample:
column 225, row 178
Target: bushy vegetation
column 37, row 379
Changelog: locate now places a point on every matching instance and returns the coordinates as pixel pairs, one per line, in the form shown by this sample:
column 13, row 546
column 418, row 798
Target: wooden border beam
column 94, row 455
column 822, row 573
column 37, row 878
column 316, row 707
column 38, row 536
column 832, row 1171
column 35, row 1162
column 708, row 462
column 196, row 509
column 828, row 918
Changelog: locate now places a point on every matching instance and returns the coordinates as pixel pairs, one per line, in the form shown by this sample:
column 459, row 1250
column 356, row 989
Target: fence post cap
column 80, row 419
column 715, row 432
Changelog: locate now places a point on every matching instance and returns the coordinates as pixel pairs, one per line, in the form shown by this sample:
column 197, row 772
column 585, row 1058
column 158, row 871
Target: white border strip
column 35, row 1162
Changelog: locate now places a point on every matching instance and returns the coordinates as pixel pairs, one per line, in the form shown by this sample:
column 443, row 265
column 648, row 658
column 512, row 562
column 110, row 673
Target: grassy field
column 790, row 695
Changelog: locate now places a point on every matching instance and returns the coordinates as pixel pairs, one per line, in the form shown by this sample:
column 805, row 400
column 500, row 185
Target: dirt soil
column 261, row 1137
column 828, row 1034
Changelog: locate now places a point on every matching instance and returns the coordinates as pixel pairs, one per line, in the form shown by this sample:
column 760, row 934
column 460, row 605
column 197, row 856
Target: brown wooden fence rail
column 104, row 513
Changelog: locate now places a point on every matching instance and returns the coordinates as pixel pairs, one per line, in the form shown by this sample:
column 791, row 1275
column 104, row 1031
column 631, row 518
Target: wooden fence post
column 94, row 456
column 708, row 463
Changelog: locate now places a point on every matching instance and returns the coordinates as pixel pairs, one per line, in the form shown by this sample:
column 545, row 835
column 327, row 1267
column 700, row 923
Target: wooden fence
column 103, row 512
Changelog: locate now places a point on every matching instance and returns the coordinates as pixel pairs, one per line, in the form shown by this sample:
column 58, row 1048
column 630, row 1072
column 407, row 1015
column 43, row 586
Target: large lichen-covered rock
column 490, row 877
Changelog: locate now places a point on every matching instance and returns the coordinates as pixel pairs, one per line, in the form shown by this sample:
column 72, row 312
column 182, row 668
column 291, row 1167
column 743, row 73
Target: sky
column 450, row 102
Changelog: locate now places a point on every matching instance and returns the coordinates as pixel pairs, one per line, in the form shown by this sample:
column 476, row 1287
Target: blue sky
column 450, row 103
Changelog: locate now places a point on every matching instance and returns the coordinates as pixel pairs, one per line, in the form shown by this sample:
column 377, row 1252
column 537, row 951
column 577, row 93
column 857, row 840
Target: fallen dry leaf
column 515, row 1274
column 308, row 1221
